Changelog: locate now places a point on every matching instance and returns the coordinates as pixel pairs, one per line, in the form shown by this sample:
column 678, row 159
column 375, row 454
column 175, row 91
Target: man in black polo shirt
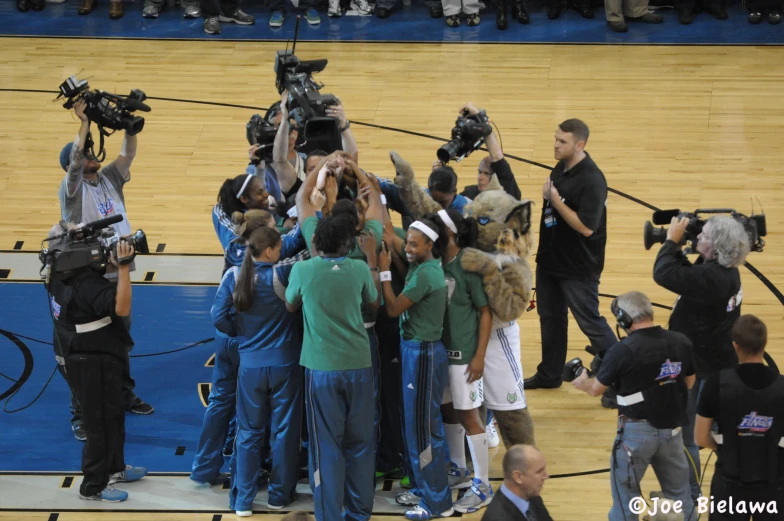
column 570, row 259
column 652, row 369
column 746, row 403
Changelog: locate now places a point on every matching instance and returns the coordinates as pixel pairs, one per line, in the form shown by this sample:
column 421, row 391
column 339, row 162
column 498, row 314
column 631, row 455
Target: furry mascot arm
column 508, row 288
column 416, row 199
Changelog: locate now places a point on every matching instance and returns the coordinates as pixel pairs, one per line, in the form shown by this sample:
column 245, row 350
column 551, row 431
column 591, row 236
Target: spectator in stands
column 190, row 9
column 25, row 5
column 86, row 7
column 384, row 8
column 336, row 10
column 554, row 8
column 632, row 10
column 452, row 9
column 217, row 11
column 686, row 9
column 278, row 8
column 756, row 7
column 518, row 12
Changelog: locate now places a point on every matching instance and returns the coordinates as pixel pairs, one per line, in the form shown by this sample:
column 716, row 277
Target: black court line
column 67, row 482
column 180, row 451
column 217, row 517
column 18, row 245
column 4, row 274
column 384, row 42
column 160, row 248
column 149, row 276
column 53, row 517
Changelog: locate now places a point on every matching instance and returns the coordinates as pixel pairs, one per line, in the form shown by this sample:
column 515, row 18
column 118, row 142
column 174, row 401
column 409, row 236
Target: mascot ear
column 520, row 218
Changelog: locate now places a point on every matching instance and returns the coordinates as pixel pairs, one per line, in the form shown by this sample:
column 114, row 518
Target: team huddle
column 308, row 297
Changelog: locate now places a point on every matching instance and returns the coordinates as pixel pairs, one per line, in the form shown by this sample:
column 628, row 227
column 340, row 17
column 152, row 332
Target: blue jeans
column 557, row 296
column 662, row 450
column 688, row 437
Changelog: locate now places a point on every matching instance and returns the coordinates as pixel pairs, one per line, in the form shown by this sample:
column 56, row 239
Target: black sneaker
column 238, row 17
column 212, row 25
column 78, row 431
column 139, row 406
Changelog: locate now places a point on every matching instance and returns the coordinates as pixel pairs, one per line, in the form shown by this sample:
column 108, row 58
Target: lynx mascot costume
column 505, row 241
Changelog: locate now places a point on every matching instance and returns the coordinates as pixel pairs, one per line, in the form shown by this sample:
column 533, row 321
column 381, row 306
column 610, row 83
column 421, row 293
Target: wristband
column 383, row 199
column 385, row 276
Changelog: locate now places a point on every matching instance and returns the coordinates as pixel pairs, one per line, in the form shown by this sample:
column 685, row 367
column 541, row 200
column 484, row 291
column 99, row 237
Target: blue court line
column 407, row 24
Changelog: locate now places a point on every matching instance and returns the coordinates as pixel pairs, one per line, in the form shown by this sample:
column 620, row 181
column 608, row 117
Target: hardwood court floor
column 683, row 127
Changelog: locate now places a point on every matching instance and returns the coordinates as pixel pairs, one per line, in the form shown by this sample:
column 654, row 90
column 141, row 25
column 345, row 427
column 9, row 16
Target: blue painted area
column 407, row 24
column 164, row 318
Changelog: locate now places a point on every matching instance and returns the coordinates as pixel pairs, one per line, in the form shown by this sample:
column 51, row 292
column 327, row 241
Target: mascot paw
column 477, row 261
column 402, row 167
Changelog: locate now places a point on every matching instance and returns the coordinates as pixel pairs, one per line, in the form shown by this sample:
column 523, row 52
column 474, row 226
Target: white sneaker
column 334, row 10
column 361, row 6
column 493, row 440
column 244, row 513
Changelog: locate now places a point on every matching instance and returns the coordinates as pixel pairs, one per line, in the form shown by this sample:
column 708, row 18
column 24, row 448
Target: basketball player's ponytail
column 261, row 239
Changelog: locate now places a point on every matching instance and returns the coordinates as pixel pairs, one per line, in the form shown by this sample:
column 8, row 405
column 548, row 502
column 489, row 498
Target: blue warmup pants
column 425, row 375
column 269, row 401
column 342, row 468
column 220, row 411
column 374, row 360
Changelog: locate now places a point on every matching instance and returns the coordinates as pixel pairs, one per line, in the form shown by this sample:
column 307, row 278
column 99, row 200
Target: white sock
column 455, row 436
column 478, row 446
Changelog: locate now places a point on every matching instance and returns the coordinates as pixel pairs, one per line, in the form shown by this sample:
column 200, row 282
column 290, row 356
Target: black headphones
column 624, row 320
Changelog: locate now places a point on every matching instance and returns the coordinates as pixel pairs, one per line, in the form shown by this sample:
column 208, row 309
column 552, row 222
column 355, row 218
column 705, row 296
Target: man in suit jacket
column 518, row 499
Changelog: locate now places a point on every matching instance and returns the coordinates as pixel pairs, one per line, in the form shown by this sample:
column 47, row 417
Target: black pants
column 391, row 446
column 212, row 8
column 688, row 5
column 722, row 490
column 554, row 297
column 96, row 379
column 764, row 5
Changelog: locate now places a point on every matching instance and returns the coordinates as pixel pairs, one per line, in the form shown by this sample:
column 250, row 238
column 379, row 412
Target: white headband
column 244, row 185
column 422, row 227
column 448, row 221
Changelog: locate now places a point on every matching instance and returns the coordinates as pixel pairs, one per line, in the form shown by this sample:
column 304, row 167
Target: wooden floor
column 683, row 127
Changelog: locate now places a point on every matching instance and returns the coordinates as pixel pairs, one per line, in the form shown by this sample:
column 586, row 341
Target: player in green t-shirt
column 421, row 307
column 467, row 326
column 331, row 289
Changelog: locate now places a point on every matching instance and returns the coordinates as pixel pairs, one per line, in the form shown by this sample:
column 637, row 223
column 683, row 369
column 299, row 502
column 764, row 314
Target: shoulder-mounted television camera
column 307, row 105
column 260, row 131
column 106, row 110
column 468, row 135
column 754, row 225
column 88, row 246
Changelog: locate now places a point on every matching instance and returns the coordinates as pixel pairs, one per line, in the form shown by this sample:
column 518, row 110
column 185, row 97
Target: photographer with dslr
column 91, row 192
column 489, row 165
column 652, row 369
column 82, row 300
column 709, row 300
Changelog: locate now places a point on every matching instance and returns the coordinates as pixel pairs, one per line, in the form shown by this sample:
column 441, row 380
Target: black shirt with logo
column 623, row 365
column 563, row 251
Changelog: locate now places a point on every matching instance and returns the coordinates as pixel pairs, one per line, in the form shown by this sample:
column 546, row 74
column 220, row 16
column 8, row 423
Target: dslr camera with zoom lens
column 259, row 131
column 468, row 135
column 91, row 245
column 755, row 227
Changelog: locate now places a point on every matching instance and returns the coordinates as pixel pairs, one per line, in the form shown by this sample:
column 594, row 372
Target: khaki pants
column 617, row 9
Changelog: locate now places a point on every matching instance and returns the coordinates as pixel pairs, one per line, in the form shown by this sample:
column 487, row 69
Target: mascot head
column 504, row 222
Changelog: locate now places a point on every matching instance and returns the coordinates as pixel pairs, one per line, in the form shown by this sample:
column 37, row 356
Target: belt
column 93, row 326
column 626, row 419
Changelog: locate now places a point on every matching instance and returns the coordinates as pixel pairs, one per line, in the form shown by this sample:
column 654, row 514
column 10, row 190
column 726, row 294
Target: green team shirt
column 426, row 287
column 332, row 291
column 465, row 295
column 371, row 227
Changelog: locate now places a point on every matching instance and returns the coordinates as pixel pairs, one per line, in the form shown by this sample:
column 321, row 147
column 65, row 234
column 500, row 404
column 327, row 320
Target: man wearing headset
column 652, row 369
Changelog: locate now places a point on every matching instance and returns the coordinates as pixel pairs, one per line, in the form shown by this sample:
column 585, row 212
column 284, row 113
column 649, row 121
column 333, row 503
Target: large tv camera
column 468, row 135
column 755, row 227
column 106, row 110
column 306, row 103
column 90, row 245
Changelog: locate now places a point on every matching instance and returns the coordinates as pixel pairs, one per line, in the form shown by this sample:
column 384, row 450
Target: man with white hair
column 652, row 369
column 709, row 301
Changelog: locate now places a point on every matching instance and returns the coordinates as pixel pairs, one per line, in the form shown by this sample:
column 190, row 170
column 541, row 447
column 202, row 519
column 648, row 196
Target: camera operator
column 570, row 257
column 708, row 304
column 86, row 303
column 746, row 403
column 652, row 369
column 289, row 167
column 91, row 192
